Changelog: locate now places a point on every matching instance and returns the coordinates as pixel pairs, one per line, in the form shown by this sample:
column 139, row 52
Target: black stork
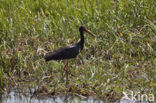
column 69, row 52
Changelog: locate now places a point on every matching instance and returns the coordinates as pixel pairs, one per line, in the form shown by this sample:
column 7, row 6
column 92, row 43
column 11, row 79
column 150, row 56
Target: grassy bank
column 120, row 58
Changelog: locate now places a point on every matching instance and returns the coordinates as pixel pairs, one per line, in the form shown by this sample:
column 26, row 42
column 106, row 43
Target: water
column 15, row 97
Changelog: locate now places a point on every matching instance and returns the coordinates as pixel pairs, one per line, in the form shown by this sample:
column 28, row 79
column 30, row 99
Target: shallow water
column 15, row 97
column 18, row 98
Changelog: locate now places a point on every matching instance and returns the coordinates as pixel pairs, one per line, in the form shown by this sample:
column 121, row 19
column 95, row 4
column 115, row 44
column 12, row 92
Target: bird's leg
column 66, row 70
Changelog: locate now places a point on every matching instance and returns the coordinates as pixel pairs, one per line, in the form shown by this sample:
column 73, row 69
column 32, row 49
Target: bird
column 69, row 52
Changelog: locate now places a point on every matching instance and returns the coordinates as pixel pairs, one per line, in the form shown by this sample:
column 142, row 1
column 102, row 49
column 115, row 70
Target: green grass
column 120, row 58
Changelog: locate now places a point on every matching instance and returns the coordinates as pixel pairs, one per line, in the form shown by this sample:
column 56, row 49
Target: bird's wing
column 63, row 53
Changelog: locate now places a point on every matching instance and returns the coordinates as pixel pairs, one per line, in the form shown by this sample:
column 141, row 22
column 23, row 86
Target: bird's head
column 82, row 28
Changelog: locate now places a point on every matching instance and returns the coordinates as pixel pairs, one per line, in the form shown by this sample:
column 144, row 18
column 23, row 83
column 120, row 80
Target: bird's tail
column 47, row 58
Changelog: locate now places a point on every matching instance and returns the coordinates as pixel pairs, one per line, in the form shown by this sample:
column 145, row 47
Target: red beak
column 89, row 32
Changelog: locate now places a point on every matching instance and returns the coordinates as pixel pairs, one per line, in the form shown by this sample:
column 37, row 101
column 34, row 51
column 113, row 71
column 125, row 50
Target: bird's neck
column 81, row 42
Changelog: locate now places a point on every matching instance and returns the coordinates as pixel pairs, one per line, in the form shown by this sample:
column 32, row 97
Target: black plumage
column 69, row 51
column 64, row 53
